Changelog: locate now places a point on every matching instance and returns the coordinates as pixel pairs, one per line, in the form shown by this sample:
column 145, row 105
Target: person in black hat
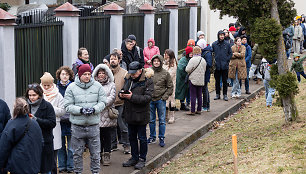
column 131, row 52
column 137, row 94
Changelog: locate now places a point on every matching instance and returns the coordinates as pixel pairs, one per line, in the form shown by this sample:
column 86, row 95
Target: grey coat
column 110, row 93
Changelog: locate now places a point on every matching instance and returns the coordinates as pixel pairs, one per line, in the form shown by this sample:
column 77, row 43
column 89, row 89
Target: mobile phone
column 125, row 91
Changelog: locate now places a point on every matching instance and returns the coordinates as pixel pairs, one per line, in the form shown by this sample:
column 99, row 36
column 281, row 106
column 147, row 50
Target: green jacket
column 84, row 95
column 163, row 85
column 181, row 88
column 256, row 55
column 298, row 65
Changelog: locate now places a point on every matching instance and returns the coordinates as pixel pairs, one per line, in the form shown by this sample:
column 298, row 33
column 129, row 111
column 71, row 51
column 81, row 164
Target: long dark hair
column 172, row 59
column 36, row 88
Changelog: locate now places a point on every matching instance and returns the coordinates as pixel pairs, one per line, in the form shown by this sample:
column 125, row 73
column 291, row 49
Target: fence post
column 69, row 14
column 193, row 19
column 115, row 24
column 173, row 27
column 7, row 58
column 148, row 10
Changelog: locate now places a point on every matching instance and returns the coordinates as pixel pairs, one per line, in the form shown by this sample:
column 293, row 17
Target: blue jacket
column 304, row 28
column 248, row 55
column 4, row 115
column 223, row 53
column 208, row 58
column 25, row 156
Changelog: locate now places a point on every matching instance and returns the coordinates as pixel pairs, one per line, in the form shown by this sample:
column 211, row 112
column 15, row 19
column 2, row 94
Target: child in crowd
column 297, row 66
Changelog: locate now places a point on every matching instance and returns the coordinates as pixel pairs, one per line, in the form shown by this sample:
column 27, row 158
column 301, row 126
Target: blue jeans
column 298, row 75
column 138, row 131
column 65, row 155
column 269, row 93
column 160, row 106
column 246, row 83
column 236, row 90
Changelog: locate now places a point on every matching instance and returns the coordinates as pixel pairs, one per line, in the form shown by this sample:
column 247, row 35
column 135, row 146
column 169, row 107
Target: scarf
column 51, row 93
column 34, row 105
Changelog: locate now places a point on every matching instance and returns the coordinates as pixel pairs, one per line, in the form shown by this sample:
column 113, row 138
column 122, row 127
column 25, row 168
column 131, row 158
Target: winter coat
column 303, row 29
column 248, row 55
column 4, row 115
column 136, row 111
column 163, row 86
column 47, row 121
column 21, row 155
column 149, row 52
column 136, row 54
column 172, row 72
column 59, row 109
column 223, row 53
column 298, row 33
column 256, row 56
column 110, row 93
column 297, row 66
column 65, row 123
column 290, row 31
column 119, row 74
column 196, row 73
column 84, row 95
column 206, row 54
column 237, row 63
column 181, row 88
column 229, row 40
column 77, row 63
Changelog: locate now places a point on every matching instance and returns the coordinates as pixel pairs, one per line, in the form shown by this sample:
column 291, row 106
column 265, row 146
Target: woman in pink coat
column 149, row 52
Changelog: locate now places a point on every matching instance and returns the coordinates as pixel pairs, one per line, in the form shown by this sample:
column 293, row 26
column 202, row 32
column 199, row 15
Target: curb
column 179, row 146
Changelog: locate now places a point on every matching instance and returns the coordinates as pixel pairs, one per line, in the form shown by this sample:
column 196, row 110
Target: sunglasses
column 32, row 85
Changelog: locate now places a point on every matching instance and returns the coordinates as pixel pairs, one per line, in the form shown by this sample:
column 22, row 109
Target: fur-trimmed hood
column 148, row 73
column 106, row 69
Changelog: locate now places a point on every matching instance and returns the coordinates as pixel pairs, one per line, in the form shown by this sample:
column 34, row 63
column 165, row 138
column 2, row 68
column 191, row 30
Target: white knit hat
column 202, row 43
column 200, row 33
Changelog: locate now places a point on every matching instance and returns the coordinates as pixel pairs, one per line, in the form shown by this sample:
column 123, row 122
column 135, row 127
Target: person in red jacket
column 149, row 52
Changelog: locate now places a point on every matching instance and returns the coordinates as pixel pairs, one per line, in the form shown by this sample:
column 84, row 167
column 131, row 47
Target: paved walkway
column 179, row 135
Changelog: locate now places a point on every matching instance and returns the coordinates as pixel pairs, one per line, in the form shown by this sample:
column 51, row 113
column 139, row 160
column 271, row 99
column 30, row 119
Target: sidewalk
column 179, row 135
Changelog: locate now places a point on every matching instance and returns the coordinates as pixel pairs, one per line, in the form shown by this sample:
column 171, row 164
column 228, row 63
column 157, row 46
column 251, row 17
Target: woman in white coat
column 52, row 95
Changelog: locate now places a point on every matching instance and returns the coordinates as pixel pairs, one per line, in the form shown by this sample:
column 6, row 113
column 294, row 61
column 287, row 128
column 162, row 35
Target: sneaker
column 141, row 163
column 225, row 98
column 247, row 92
column 126, row 150
column 151, row 140
column 289, row 58
column 114, row 148
column 234, row 96
column 162, row 142
column 129, row 163
column 204, row 109
column 106, row 159
column 217, row 97
column 238, row 95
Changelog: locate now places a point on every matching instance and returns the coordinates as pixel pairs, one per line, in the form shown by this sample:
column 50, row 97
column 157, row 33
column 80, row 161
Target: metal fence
column 38, row 48
column 199, row 18
column 134, row 24
column 183, row 27
column 161, row 30
column 94, row 34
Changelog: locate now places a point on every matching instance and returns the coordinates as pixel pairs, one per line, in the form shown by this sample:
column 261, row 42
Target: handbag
column 113, row 113
column 187, row 76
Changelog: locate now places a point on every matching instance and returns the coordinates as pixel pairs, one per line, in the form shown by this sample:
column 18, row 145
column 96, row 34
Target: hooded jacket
column 256, row 55
column 297, row 66
column 248, row 55
column 163, row 85
column 149, row 52
column 206, row 54
column 223, row 53
column 110, row 92
column 84, row 95
column 136, row 110
column 136, row 54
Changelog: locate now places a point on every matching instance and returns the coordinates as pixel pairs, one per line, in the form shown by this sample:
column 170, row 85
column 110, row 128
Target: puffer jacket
column 136, row 110
column 237, row 63
column 110, row 92
column 256, row 55
column 84, row 95
column 163, row 86
column 223, row 53
column 149, row 52
column 196, row 73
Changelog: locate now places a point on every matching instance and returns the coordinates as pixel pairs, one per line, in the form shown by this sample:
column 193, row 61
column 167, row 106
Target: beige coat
column 119, row 74
column 172, row 71
column 237, row 62
column 196, row 73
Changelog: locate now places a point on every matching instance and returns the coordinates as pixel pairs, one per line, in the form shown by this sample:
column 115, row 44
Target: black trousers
column 105, row 139
column 224, row 75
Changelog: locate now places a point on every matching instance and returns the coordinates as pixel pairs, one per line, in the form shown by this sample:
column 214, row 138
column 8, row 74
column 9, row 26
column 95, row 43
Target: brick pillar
column 7, row 58
column 173, row 27
column 69, row 14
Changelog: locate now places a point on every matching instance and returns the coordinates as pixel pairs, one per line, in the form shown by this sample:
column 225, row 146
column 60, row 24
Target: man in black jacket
column 223, row 54
column 131, row 52
column 4, row 115
column 137, row 94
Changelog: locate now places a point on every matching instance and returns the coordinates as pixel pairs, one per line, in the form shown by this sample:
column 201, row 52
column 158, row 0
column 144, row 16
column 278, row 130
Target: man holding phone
column 137, row 94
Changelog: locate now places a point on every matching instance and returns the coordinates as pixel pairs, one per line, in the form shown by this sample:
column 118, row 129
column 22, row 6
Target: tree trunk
column 289, row 107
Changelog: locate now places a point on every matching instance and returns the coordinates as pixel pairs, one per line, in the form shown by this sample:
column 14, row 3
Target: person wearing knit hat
column 84, row 100
column 200, row 35
column 52, row 95
column 190, row 43
column 181, row 88
column 196, row 68
column 232, row 32
column 202, row 44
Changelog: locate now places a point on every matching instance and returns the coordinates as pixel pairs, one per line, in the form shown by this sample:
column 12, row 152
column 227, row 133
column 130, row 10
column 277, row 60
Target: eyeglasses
column 34, row 85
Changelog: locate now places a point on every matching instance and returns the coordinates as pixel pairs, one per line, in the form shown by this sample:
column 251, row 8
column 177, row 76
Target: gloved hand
column 83, row 110
column 90, row 111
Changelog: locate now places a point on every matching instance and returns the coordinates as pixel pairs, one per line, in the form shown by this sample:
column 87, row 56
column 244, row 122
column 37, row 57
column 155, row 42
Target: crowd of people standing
column 98, row 107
